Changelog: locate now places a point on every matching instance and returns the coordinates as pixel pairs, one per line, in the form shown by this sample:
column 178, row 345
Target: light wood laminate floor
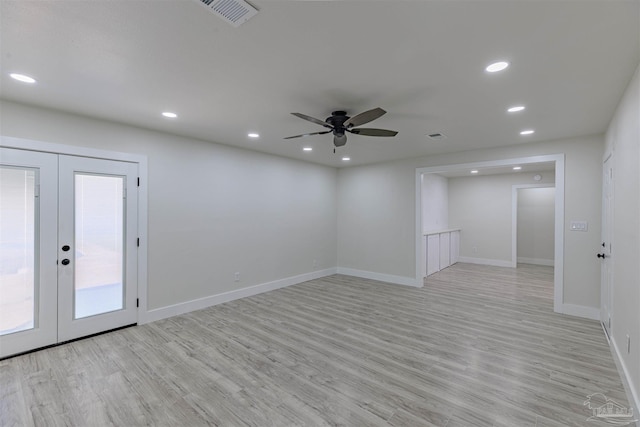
column 477, row 346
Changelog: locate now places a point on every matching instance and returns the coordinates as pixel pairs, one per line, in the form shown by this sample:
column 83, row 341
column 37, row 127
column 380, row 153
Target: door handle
column 603, row 256
column 65, row 248
column 65, row 262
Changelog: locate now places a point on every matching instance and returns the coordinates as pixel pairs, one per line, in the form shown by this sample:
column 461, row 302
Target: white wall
column 481, row 206
column 376, row 212
column 376, row 219
column 213, row 209
column 435, row 203
column 535, row 229
column 623, row 139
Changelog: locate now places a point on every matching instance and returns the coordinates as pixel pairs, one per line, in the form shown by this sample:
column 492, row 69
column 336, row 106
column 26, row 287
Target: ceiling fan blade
column 339, row 141
column 366, row 117
column 313, row 120
column 308, row 134
column 373, row 132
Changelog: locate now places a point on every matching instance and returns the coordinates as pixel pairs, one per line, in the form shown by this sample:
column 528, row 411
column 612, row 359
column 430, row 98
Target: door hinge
column 138, row 181
column 137, row 302
column 138, row 243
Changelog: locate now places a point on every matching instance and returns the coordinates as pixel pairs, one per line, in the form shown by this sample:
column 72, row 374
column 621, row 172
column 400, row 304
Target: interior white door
column 605, row 253
column 68, row 248
column 97, row 232
column 28, row 224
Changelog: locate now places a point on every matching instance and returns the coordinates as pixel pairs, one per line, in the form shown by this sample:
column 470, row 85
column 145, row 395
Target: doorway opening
column 546, row 170
column 532, row 224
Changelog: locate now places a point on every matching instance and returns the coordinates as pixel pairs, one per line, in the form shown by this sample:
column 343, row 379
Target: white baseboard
column 536, row 261
column 581, row 311
column 485, row 261
column 200, row 303
column 629, row 386
column 397, row 280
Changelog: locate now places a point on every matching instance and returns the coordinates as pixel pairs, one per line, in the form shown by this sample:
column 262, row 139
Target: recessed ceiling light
column 346, row 159
column 474, row 171
column 517, row 168
column 527, row 132
column 169, row 115
column 497, row 66
column 308, row 149
column 22, row 78
column 253, row 135
column 516, row 109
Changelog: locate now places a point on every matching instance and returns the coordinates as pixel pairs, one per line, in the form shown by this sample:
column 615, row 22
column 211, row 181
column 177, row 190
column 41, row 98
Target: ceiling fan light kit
column 340, row 124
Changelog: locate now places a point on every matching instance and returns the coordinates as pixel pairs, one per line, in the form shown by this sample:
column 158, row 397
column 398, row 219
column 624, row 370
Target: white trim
column 514, row 219
column 558, row 265
column 430, row 232
column 72, row 150
column 592, row 313
column 629, row 386
column 200, row 303
column 535, row 261
column 143, row 232
column 485, row 261
column 559, row 159
column 419, row 227
column 140, row 159
column 389, row 278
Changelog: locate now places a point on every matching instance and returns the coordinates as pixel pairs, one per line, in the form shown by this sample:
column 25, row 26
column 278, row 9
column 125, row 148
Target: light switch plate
column 578, row 225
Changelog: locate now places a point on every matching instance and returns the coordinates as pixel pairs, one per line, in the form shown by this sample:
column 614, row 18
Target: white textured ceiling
column 422, row 61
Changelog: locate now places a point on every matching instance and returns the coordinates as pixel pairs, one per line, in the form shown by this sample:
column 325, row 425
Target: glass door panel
column 17, row 249
column 97, row 275
column 28, row 286
column 99, row 244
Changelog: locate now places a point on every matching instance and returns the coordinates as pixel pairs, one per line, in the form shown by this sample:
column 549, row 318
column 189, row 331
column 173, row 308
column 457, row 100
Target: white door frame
column 559, row 160
column 141, row 160
column 606, row 276
column 514, row 217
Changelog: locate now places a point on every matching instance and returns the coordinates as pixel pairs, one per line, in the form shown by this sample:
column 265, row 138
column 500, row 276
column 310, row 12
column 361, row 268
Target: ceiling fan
column 339, row 123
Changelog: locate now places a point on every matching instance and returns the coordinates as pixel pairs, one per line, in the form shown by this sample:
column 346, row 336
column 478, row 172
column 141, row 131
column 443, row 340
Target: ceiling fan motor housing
column 337, row 120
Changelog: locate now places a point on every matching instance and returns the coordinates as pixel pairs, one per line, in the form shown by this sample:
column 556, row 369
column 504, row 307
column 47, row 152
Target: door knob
column 65, row 248
column 65, row 262
column 601, row 256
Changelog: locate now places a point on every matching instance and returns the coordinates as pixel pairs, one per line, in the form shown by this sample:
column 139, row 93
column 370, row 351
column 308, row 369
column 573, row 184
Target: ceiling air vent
column 436, row 136
column 235, row 12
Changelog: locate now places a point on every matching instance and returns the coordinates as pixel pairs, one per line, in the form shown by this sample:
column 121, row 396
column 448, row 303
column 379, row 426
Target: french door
column 68, row 247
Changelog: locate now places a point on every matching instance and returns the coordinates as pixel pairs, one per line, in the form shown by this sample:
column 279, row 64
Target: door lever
column 603, row 256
